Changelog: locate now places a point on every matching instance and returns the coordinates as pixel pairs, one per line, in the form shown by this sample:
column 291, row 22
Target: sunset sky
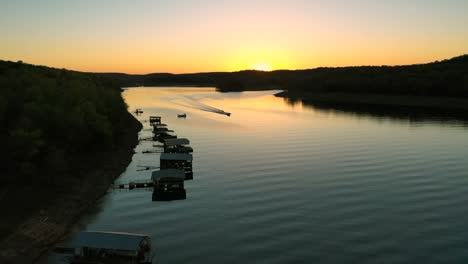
column 144, row 36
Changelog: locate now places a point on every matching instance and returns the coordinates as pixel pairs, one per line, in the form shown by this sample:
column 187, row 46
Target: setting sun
column 262, row 67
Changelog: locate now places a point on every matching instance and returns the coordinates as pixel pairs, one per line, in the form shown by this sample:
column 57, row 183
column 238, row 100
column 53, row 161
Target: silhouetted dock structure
column 168, row 185
column 162, row 132
column 178, row 145
column 177, row 161
column 164, row 135
column 143, row 184
column 175, row 165
column 108, row 247
column 159, row 128
column 155, row 120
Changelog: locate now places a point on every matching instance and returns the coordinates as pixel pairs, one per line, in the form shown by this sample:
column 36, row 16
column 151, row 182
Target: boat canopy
column 169, row 173
column 176, row 156
column 176, row 141
column 109, row 240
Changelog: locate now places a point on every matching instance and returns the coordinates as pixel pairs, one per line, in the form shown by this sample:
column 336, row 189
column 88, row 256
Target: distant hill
column 163, row 79
column 447, row 78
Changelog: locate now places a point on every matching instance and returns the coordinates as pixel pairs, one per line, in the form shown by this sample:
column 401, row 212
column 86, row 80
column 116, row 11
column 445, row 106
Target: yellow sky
column 206, row 35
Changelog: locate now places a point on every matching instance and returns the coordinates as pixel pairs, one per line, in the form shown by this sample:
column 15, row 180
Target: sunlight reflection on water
column 287, row 183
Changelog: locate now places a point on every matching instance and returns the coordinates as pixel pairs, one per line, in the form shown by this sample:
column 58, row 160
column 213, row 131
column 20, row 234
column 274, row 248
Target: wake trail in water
column 192, row 103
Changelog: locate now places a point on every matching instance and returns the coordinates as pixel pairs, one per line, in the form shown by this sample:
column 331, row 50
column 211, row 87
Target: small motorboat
column 182, row 115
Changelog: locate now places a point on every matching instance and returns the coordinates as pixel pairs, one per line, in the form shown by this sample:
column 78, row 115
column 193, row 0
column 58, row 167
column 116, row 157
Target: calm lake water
column 286, row 183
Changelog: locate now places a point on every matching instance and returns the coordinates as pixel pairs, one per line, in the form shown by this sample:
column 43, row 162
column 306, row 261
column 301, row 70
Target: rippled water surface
column 284, row 183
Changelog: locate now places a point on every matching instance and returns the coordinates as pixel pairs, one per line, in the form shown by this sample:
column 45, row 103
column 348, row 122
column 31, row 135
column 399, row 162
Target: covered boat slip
column 162, row 133
column 160, row 130
column 174, row 142
column 172, row 174
column 158, row 125
column 155, row 120
column 179, row 145
column 111, row 247
column 163, row 136
column 175, row 166
column 168, row 184
column 177, row 161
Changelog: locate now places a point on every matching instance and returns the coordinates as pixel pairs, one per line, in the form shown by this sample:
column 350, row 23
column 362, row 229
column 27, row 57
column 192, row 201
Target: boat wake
column 192, row 103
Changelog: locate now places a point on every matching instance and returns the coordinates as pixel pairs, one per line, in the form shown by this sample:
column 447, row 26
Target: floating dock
column 175, row 165
column 178, row 145
column 155, row 120
column 168, row 184
column 177, row 161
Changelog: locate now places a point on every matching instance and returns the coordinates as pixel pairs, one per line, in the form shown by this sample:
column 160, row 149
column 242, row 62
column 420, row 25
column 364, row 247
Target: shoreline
column 447, row 105
column 51, row 224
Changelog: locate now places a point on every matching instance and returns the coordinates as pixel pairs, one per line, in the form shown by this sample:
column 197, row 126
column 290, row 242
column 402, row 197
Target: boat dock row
column 175, row 164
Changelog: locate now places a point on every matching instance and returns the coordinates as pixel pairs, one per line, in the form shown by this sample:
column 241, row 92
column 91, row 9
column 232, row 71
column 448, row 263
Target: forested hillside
column 50, row 116
column 441, row 78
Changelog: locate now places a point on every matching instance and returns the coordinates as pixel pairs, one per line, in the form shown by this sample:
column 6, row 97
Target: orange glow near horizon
column 207, row 35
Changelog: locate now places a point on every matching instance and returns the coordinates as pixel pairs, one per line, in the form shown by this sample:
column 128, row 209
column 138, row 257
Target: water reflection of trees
column 410, row 114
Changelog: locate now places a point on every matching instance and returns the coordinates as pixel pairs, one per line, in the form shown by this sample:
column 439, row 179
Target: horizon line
column 207, row 72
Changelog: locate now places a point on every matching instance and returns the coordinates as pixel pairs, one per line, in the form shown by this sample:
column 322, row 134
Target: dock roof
column 163, row 129
column 176, row 156
column 172, row 173
column 109, row 240
column 176, row 141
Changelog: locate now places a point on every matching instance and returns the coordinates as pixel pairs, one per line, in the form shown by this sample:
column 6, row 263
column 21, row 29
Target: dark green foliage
column 48, row 116
column 446, row 78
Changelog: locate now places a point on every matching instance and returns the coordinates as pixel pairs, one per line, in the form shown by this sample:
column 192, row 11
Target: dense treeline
column 444, row 78
column 161, row 79
column 50, row 116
